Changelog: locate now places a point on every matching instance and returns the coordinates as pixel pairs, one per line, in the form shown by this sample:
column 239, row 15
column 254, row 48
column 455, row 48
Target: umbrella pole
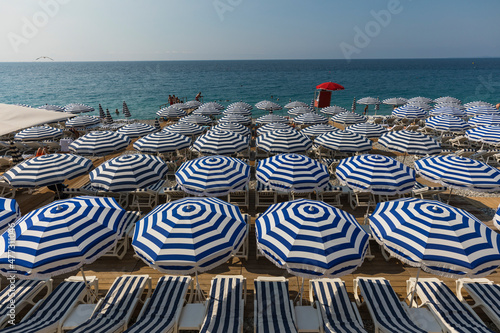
column 90, row 292
column 199, row 296
column 449, row 197
column 301, row 291
column 414, row 288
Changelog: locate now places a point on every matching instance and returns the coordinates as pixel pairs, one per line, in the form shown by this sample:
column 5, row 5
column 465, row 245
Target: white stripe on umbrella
column 9, row 213
column 333, row 110
column 447, row 110
column 235, row 110
column 128, row 173
column 480, row 110
column 268, row 105
column 213, row 175
column 299, row 110
column 447, row 99
column 241, row 105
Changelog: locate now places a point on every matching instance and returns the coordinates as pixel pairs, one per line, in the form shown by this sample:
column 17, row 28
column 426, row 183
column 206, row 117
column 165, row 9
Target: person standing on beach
column 170, row 101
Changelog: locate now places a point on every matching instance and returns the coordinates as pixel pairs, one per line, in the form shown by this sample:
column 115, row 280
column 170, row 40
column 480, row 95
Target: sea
column 146, row 85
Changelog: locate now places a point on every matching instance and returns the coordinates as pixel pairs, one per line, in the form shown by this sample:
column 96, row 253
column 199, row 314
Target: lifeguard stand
column 322, row 98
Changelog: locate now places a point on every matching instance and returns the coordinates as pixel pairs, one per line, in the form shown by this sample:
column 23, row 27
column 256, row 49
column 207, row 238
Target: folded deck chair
column 485, row 294
column 337, row 311
column 387, row 311
column 451, row 314
column 432, row 192
column 49, row 314
column 22, row 295
column 273, row 309
column 225, row 305
column 114, row 311
column 161, row 312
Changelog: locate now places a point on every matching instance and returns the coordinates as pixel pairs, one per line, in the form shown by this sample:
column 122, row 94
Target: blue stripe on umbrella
column 410, row 142
column 128, row 172
column 136, row 130
column 221, row 143
column 99, row 143
column 213, row 175
column 459, row 172
column 293, row 173
column 9, row 213
column 62, row 236
column 311, row 238
column 438, row 238
column 189, row 235
column 344, row 141
column 39, row 133
column 376, row 174
column 283, row 141
column 47, row 170
column 162, row 142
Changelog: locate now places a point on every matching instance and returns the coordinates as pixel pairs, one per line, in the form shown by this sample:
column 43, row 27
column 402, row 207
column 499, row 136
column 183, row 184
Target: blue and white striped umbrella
column 184, row 129
column 446, row 123
column 448, row 111
column 193, row 104
column 274, row 127
column 368, row 101
column 232, row 127
column 78, row 108
column 295, row 104
column 333, row 110
column 271, row 118
column 397, row 101
column 447, row 99
column 299, row 110
column 438, row 238
column 240, row 105
column 317, row 130
column 311, row 239
column 181, row 106
column 459, row 172
column 190, row 235
column 369, row 130
column 293, row 173
column 99, row 143
column 9, row 213
column 311, row 118
column 52, row 107
column 207, row 110
column 47, row 170
column 236, row 110
column 268, row 105
column 171, row 112
column 125, row 110
column 82, row 121
column 284, row 141
column 62, row 236
column 221, row 143
column 102, row 115
column 485, row 134
column 496, row 218
column 136, row 130
column 108, row 119
column 480, row 110
column 344, row 141
column 410, row 142
column 128, row 173
column 236, row 118
column 162, row 142
column 420, row 99
column 212, row 105
column 349, row 118
column 485, row 120
column 39, row 133
column 213, row 176
column 424, row 106
column 376, row 174
column 477, row 103
column 449, row 105
column 196, row 119
column 409, row 112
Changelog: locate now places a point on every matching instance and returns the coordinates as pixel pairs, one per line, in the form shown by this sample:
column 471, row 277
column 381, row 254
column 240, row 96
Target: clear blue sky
column 110, row 30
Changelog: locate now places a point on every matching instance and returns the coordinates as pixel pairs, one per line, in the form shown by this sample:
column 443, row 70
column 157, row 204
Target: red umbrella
column 330, row 86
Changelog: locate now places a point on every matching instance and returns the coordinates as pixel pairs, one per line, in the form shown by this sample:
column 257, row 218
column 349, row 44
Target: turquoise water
column 146, row 85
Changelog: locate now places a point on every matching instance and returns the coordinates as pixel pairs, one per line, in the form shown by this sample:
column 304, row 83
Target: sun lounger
column 225, row 305
column 240, row 198
column 122, row 245
column 337, row 311
column 273, row 309
column 426, row 192
column 460, row 142
column 389, row 314
column 174, row 193
column 6, row 190
column 114, row 311
column 450, row 313
column 22, row 295
column 466, row 152
column 49, row 314
column 161, row 312
column 484, row 293
column 264, row 196
column 331, row 195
